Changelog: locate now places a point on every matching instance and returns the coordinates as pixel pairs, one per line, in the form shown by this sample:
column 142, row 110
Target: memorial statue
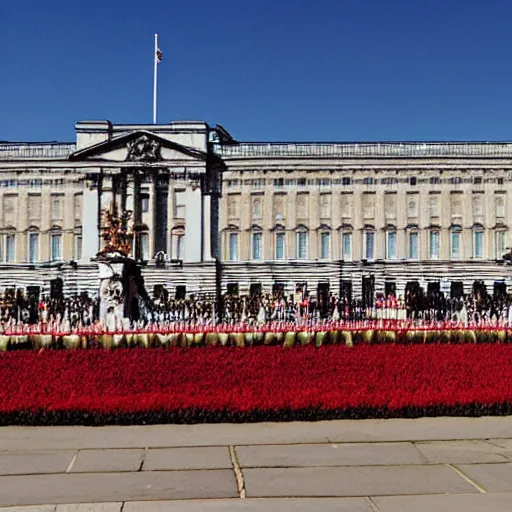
column 116, row 233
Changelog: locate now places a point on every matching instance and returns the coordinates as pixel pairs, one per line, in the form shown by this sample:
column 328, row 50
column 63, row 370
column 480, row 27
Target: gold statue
column 116, row 233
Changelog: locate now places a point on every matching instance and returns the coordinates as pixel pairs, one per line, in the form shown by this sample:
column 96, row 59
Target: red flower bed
column 258, row 383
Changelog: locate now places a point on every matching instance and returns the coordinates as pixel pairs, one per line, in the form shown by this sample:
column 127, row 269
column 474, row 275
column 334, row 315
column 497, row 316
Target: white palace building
column 212, row 214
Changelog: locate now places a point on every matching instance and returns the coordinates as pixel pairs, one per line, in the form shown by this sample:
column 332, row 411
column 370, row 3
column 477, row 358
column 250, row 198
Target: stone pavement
column 429, row 464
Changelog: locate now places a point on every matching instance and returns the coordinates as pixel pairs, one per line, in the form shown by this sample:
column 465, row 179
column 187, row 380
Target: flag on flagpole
column 159, row 56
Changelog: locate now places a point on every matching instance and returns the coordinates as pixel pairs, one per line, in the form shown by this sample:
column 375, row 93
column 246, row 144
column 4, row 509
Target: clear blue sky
column 266, row 70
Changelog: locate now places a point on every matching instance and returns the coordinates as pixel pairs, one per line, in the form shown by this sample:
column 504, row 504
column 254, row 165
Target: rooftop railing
column 368, row 149
column 26, row 151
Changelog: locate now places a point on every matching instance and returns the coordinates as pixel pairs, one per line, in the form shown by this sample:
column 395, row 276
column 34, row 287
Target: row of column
column 124, row 191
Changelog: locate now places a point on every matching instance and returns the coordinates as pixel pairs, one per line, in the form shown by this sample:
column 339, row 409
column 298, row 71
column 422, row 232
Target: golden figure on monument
column 116, row 233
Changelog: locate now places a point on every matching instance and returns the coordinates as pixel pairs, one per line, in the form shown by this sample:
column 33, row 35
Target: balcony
column 44, row 151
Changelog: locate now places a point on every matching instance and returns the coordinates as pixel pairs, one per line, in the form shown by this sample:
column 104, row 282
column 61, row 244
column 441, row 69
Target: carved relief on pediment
column 144, row 149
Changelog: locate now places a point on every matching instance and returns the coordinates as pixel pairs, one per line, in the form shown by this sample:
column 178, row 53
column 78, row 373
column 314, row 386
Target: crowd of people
column 259, row 309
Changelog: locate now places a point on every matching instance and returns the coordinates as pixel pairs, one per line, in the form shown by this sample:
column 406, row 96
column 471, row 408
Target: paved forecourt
column 441, row 464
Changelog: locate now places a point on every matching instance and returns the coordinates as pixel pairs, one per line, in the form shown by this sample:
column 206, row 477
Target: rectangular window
column 233, row 247
column 455, row 244
column 369, row 245
column 500, row 244
column 346, row 181
column 144, row 246
column 179, row 204
column 56, row 207
column 279, row 246
column 144, row 204
column 56, row 247
column 10, row 251
column 479, row 244
column 434, row 245
column 347, row 246
column 77, row 248
column 77, row 208
column 412, row 181
column 391, row 245
column 179, row 246
column 256, row 246
column 302, row 245
column 33, row 247
column 413, row 245
column 325, row 242
column 433, row 207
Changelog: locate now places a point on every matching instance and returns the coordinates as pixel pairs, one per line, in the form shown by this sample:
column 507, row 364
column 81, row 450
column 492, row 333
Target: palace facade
column 212, row 214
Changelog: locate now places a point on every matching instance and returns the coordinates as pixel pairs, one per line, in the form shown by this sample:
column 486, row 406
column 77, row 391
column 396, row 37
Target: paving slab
column 353, row 481
column 311, row 455
column 90, row 507
column 37, row 508
column 422, row 429
column 446, row 503
column 461, row 452
column 253, row 505
column 158, row 459
column 113, row 461
column 492, row 477
column 33, row 462
column 116, row 487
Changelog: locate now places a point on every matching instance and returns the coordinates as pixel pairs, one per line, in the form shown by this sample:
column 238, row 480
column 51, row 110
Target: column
column 207, row 229
column 193, row 222
column 90, row 213
column 160, row 220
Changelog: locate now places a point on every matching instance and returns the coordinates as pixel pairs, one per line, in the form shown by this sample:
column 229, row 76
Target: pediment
column 138, row 146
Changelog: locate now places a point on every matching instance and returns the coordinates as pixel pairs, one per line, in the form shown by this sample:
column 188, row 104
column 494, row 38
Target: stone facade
column 232, row 215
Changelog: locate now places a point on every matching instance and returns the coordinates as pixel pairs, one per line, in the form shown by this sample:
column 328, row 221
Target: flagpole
column 155, row 78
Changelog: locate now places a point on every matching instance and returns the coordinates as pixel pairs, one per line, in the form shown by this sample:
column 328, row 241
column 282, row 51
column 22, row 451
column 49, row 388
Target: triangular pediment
column 138, row 146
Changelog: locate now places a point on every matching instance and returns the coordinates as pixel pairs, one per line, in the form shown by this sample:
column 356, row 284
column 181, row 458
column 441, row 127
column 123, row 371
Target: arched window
column 257, row 244
column 325, row 244
column 433, row 245
column 301, row 243
column 478, row 241
column 455, row 242
column 55, row 245
column 369, row 243
column 391, row 244
column 413, row 252
column 346, row 244
column 280, row 244
column 33, row 245
column 233, row 240
column 500, row 243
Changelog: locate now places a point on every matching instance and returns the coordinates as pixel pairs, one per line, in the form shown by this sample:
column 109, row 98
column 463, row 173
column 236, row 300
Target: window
column 77, row 248
column 256, row 208
column 391, row 245
column 434, row 245
column 280, row 246
column 179, row 204
column 256, row 246
column 346, row 181
column 435, row 181
column 500, row 206
column 325, row 206
column 412, row 181
column 180, row 242
column 56, row 207
column 346, row 246
column 325, row 245
column 478, row 244
column 500, row 244
column 413, row 245
column 500, row 181
column 33, row 247
column 144, row 246
column 412, row 207
column 455, row 243
column 477, row 180
column 279, row 183
column 233, row 246
column 368, row 181
column 369, row 245
column 302, row 244
column 144, row 203
column 433, row 207
column 456, row 180
column 77, row 207
column 56, row 247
